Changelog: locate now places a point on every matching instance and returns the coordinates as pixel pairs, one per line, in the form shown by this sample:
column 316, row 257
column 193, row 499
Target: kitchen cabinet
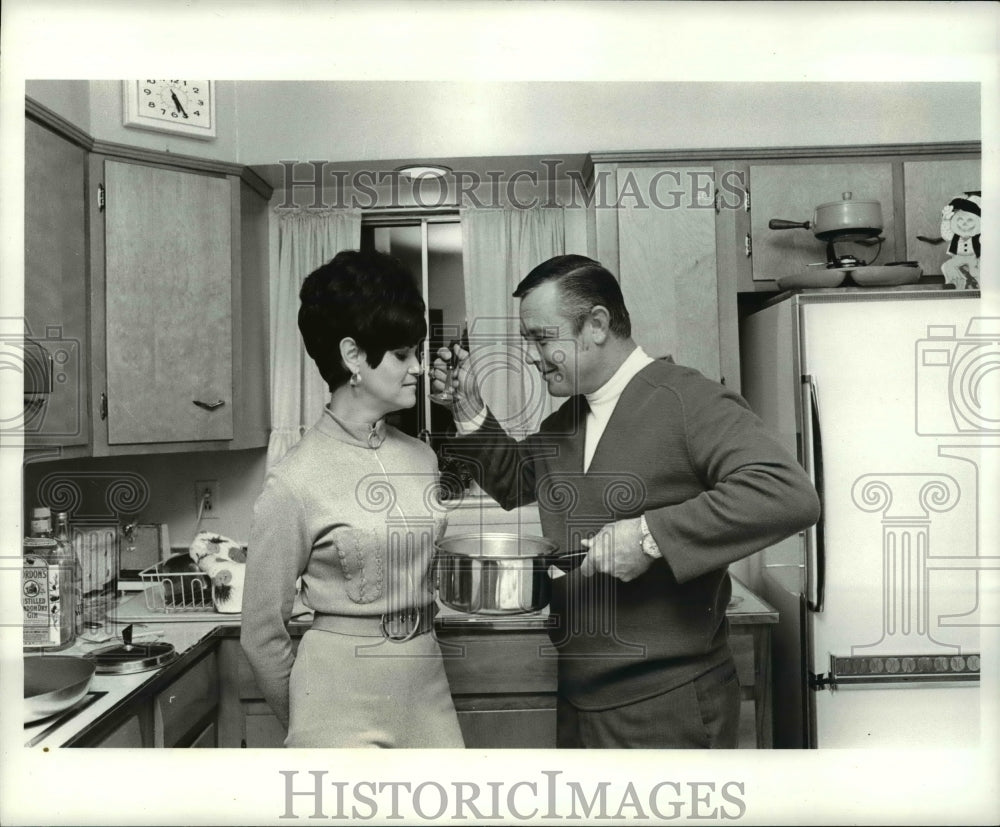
column 55, row 283
column 178, row 709
column 792, row 192
column 245, row 719
column 654, row 227
column 179, row 298
column 134, row 732
column 502, row 683
column 161, row 279
column 168, row 304
column 184, row 712
column 928, row 187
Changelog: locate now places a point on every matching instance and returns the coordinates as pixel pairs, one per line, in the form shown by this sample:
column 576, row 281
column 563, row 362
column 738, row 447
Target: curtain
column 500, row 246
column 307, row 238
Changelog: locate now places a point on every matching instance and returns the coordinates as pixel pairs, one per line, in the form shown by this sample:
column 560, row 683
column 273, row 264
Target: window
column 431, row 247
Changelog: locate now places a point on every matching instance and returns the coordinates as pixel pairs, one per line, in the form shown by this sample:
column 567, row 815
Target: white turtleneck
column 604, row 400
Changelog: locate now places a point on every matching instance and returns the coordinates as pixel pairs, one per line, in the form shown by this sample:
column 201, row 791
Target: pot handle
column 566, row 562
column 782, row 224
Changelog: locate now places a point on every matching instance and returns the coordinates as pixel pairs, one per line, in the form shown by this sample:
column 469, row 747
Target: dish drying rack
column 175, row 592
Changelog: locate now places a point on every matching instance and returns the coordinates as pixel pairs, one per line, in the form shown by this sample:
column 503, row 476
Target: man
column 666, row 478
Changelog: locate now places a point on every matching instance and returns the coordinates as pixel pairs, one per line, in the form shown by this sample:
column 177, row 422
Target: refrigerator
column 889, row 399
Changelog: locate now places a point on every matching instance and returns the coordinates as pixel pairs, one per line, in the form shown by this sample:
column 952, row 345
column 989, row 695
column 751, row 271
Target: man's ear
column 600, row 324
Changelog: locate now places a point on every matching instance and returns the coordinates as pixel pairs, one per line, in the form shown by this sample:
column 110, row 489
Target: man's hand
column 467, row 400
column 616, row 550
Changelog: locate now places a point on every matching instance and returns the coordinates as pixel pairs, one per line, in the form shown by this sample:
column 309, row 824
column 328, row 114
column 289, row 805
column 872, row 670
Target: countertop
column 192, row 633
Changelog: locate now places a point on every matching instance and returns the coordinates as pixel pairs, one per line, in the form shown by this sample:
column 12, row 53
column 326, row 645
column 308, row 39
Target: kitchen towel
column 224, row 561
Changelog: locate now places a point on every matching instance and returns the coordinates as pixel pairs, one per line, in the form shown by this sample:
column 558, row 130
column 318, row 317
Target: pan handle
column 566, row 562
column 782, row 224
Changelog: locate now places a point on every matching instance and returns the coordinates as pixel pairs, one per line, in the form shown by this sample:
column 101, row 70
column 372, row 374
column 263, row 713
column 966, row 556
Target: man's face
column 566, row 361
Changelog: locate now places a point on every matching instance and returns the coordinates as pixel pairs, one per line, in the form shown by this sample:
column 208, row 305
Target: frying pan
column 53, row 683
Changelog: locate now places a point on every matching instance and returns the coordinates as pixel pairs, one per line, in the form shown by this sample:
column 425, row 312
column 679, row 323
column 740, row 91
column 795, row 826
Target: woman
column 352, row 511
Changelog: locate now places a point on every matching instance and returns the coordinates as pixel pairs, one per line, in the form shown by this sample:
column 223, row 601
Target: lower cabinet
column 503, row 684
column 134, row 732
column 245, row 719
column 184, row 712
column 179, row 711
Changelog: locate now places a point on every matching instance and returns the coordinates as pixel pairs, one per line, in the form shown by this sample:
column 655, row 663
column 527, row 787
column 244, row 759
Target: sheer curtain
column 307, row 238
column 500, row 246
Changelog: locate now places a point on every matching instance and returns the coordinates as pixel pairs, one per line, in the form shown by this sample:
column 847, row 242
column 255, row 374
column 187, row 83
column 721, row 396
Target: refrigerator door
column 893, row 590
column 770, row 381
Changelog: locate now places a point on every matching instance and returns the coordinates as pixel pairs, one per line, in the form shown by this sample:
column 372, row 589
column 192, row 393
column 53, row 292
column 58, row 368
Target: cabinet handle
column 104, row 406
column 209, row 406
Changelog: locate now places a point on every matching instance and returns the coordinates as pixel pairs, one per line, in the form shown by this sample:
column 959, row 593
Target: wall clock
column 180, row 107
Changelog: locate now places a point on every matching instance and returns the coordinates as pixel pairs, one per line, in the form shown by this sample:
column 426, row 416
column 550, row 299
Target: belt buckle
column 394, row 625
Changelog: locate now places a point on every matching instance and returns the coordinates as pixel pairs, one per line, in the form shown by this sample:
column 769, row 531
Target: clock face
column 183, row 107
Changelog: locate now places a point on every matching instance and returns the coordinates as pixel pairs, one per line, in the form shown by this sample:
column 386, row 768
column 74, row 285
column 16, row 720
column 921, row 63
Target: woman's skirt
column 348, row 691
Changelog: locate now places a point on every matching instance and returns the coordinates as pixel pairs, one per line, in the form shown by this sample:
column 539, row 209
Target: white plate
column 813, row 278
column 885, row 276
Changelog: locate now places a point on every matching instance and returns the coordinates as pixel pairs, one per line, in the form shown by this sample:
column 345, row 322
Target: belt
column 395, row 626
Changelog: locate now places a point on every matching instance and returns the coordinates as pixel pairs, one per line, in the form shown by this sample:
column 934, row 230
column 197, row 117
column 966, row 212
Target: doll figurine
column 961, row 223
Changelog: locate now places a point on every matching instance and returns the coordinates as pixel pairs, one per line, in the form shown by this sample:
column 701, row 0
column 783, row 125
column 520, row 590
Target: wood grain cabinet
column 55, row 288
column 179, row 301
column 178, row 710
column 928, row 186
column 147, row 279
column 168, row 304
column 655, row 228
column 792, row 192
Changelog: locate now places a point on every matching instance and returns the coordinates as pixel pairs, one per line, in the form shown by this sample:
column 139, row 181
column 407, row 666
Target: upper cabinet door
column 929, row 186
column 667, row 262
column 792, row 192
column 55, row 284
column 168, row 289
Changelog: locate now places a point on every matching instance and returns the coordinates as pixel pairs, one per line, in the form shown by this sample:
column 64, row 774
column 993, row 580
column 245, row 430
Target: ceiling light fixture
column 417, row 171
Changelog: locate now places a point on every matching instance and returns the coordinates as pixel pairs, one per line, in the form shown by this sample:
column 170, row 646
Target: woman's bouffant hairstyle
column 368, row 296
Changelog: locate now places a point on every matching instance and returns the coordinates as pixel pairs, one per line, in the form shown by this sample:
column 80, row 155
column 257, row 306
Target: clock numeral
column 151, row 105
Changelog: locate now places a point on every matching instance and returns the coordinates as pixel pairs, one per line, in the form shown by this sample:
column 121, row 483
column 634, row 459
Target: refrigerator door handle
column 812, row 445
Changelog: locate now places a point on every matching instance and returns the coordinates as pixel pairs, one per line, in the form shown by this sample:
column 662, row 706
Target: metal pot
column 53, row 683
column 844, row 220
column 496, row 573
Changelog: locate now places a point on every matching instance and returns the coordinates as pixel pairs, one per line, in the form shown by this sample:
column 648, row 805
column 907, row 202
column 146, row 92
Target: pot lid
column 848, row 197
column 123, row 659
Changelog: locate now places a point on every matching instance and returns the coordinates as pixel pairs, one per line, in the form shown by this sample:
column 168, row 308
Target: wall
column 359, row 121
column 169, row 480
column 263, row 122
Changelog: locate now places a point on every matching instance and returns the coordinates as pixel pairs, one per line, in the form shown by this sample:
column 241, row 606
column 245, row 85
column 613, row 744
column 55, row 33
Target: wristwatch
column 648, row 543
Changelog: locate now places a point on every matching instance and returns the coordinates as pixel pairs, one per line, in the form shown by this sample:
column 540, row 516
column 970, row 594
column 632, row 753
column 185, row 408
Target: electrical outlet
column 206, row 499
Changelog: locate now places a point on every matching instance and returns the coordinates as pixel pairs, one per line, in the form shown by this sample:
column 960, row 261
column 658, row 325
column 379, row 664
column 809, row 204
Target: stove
column 57, row 720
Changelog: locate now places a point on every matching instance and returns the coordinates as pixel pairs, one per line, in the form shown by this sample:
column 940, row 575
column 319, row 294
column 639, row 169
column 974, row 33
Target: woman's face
column 392, row 385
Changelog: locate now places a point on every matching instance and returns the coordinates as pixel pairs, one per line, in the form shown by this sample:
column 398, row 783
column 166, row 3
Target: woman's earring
column 355, row 379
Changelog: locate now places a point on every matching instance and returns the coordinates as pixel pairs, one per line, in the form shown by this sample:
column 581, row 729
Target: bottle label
column 41, row 613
